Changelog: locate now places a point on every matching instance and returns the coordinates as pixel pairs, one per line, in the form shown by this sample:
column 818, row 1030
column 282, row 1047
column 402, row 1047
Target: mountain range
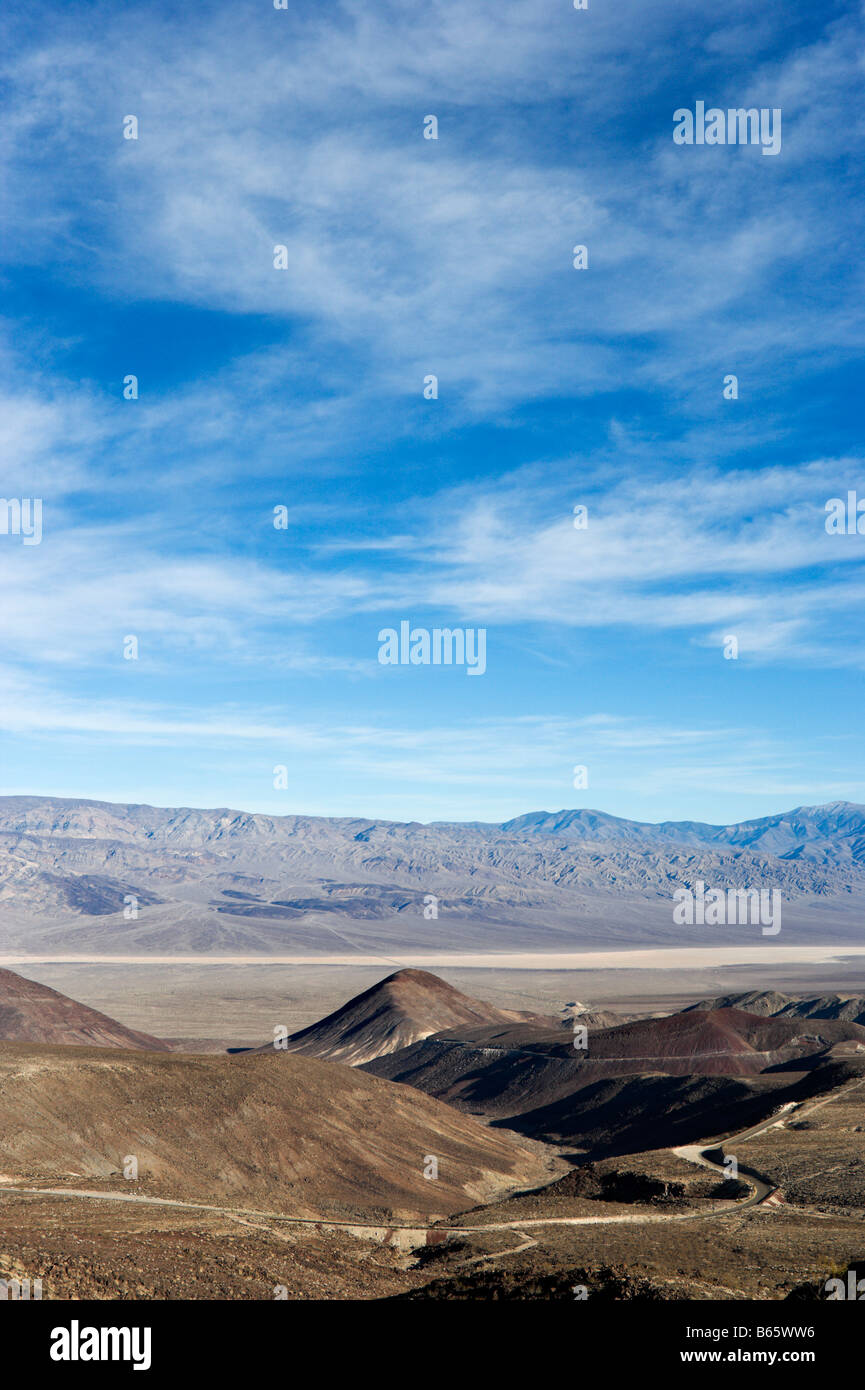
column 102, row 877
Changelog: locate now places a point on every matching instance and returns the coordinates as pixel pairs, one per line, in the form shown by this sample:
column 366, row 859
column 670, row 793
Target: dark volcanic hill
column 393, row 1014
column 30, row 1012
column 530, row 1078
column 627, row 1113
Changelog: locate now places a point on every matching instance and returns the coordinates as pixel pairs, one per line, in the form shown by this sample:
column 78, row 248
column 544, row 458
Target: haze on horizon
column 587, row 816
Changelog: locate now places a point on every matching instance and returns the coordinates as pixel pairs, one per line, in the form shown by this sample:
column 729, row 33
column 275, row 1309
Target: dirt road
column 411, row 1235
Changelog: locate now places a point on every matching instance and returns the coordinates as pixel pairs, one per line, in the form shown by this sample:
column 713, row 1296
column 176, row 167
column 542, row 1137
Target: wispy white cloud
column 409, row 257
column 493, row 767
column 449, row 256
column 707, row 553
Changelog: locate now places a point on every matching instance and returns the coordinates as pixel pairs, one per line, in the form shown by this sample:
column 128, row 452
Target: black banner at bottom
column 83, row 1340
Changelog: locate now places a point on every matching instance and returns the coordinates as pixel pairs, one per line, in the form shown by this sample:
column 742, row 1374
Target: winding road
column 692, row 1153
column 410, row 1236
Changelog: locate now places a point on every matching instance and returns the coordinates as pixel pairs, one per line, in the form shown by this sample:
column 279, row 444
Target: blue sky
column 304, row 388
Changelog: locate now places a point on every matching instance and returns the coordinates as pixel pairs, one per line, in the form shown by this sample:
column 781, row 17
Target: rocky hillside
column 394, row 1013
column 291, row 1134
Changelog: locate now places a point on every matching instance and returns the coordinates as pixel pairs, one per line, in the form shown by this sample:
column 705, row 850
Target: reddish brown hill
column 718, row 1042
column 768, row 1001
column 30, row 1012
column 406, row 1007
column 529, row 1078
column 278, row 1133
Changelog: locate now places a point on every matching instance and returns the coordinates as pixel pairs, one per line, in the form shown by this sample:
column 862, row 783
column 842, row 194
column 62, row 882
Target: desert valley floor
column 182, row 1000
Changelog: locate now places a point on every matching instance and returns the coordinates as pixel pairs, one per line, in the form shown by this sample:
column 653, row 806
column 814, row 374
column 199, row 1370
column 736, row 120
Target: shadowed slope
column 532, row 1080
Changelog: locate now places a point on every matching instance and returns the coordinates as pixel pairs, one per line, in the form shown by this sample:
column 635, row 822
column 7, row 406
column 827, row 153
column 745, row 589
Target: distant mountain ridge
column 99, row 876
column 785, row 834
column 80, row 816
